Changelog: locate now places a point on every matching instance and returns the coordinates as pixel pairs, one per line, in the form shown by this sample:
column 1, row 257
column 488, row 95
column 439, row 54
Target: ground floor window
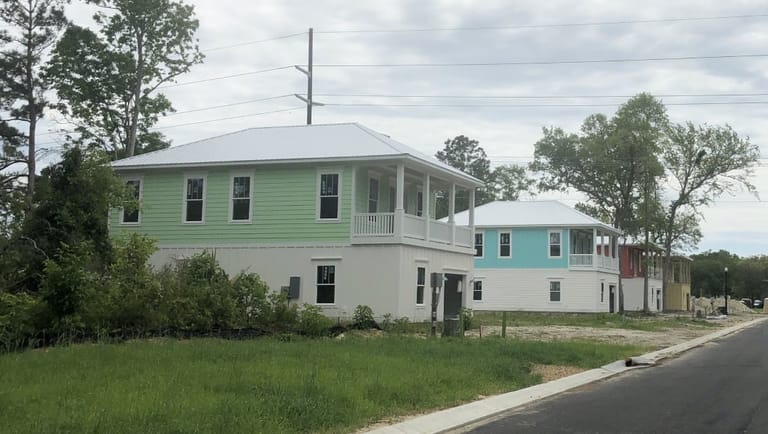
column 602, row 292
column 477, row 291
column 421, row 278
column 554, row 290
column 326, row 284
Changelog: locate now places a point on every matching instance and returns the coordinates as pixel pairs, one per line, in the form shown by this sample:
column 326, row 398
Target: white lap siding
column 633, row 294
column 529, row 290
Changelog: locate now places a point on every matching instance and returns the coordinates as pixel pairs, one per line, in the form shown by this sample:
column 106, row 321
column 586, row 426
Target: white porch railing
column 368, row 227
column 580, row 260
column 374, row 224
column 608, row 262
column 464, row 236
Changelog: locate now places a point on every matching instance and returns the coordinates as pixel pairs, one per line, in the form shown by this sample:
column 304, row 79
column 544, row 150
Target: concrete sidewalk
column 456, row 417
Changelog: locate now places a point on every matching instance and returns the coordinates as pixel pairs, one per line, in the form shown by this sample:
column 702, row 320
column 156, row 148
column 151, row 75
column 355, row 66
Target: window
column 419, row 204
column 477, row 291
column 421, row 278
column 326, row 284
column 131, row 215
column 554, row 290
column 479, row 245
column 554, row 244
column 602, row 292
column 329, row 196
column 373, row 195
column 241, row 198
column 392, row 199
column 505, row 244
column 194, row 200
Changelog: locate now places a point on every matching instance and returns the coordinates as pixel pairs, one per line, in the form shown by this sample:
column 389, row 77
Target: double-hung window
column 555, row 244
column 329, row 196
column 554, row 290
column 326, row 284
column 373, row 195
column 194, row 199
column 241, row 198
column 130, row 213
column 479, row 245
column 421, row 279
column 505, row 244
column 477, row 290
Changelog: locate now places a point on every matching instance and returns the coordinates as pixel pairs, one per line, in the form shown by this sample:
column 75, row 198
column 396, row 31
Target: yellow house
column 678, row 293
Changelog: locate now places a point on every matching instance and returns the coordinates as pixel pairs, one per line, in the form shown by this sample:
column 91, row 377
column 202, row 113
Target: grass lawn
column 598, row 320
column 266, row 385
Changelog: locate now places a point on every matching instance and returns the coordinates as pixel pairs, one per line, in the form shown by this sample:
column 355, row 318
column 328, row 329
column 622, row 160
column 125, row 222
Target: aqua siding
column 283, row 208
column 529, row 249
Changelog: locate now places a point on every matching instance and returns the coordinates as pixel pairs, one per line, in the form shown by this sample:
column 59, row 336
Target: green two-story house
column 336, row 215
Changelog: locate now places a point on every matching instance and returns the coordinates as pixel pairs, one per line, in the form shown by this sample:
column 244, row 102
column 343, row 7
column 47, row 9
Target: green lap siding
column 283, row 208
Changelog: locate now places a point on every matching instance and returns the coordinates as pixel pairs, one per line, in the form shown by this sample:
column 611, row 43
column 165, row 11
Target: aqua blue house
column 543, row 256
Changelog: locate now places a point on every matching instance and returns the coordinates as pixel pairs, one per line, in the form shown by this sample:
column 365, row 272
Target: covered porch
column 401, row 203
column 593, row 248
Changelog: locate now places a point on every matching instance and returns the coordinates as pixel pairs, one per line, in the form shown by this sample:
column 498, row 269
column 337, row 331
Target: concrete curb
column 456, row 417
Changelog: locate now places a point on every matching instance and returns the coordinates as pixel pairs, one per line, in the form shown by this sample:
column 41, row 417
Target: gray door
column 452, row 303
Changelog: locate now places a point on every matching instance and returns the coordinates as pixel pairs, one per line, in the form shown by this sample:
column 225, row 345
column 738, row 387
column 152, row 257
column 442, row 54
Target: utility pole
column 308, row 73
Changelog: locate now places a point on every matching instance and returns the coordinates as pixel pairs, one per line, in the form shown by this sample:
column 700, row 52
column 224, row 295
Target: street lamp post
column 725, row 290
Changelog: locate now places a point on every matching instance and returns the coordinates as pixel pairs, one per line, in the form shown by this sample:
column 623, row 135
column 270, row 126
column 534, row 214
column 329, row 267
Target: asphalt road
column 721, row 387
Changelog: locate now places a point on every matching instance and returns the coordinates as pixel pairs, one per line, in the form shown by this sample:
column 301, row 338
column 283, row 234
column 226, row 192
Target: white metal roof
column 305, row 143
column 548, row 213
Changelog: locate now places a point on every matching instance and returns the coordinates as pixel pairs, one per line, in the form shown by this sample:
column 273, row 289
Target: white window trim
column 557, row 231
column 336, row 266
column 498, row 247
column 420, row 203
column 141, row 195
column 231, row 203
column 320, row 173
column 482, row 289
column 422, row 264
column 187, row 177
column 482, row 234
column 549, row 291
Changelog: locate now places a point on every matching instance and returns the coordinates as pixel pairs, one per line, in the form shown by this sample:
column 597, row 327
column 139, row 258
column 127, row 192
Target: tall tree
column 109, row 80
column 613, row 162
column 702, row 163
column 509, row 182
column 34, row 27
column 468, row 156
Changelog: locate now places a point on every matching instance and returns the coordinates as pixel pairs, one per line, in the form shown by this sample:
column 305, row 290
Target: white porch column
column 595, row 257
column 399, row 200
column 425, row 196
column 472, row 210
column 452, row 213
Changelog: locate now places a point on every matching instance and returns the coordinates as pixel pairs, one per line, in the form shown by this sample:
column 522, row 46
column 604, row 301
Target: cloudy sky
column 502, row 106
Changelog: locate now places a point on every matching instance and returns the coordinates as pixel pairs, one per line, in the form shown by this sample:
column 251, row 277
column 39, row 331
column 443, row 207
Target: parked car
column 757, row 303
column 747, row 302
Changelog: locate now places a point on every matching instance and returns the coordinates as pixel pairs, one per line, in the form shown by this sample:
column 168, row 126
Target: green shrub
column 19, row 314
column 251, row 298
column 363, row 318
column 280, row 315
column 402, row 325
column 466, row 318
column 312, row 322
column 67, row 284
column 386, row 322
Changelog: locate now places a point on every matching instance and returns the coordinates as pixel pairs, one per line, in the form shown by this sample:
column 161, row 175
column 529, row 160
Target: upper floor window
column 392, row 199
column 555, row 250
column 505, row 244
column 130, row 215
column 241, row 198
column 477, row 291
column 373, row 195
column 421, row 279
column 194, row 200
column 329, row 196
column 419, row 204
column 479, row 245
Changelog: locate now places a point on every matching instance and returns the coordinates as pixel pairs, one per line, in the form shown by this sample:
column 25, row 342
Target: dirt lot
column 654, row 339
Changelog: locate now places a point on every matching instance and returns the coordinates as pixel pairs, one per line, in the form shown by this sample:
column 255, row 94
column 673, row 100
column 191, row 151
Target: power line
column 228, row 118
column 535, row 105
column 669, row 95
column 543, row 26
column 539, row 62
column 241, row 44
column 229, row 105
column 224, row 77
